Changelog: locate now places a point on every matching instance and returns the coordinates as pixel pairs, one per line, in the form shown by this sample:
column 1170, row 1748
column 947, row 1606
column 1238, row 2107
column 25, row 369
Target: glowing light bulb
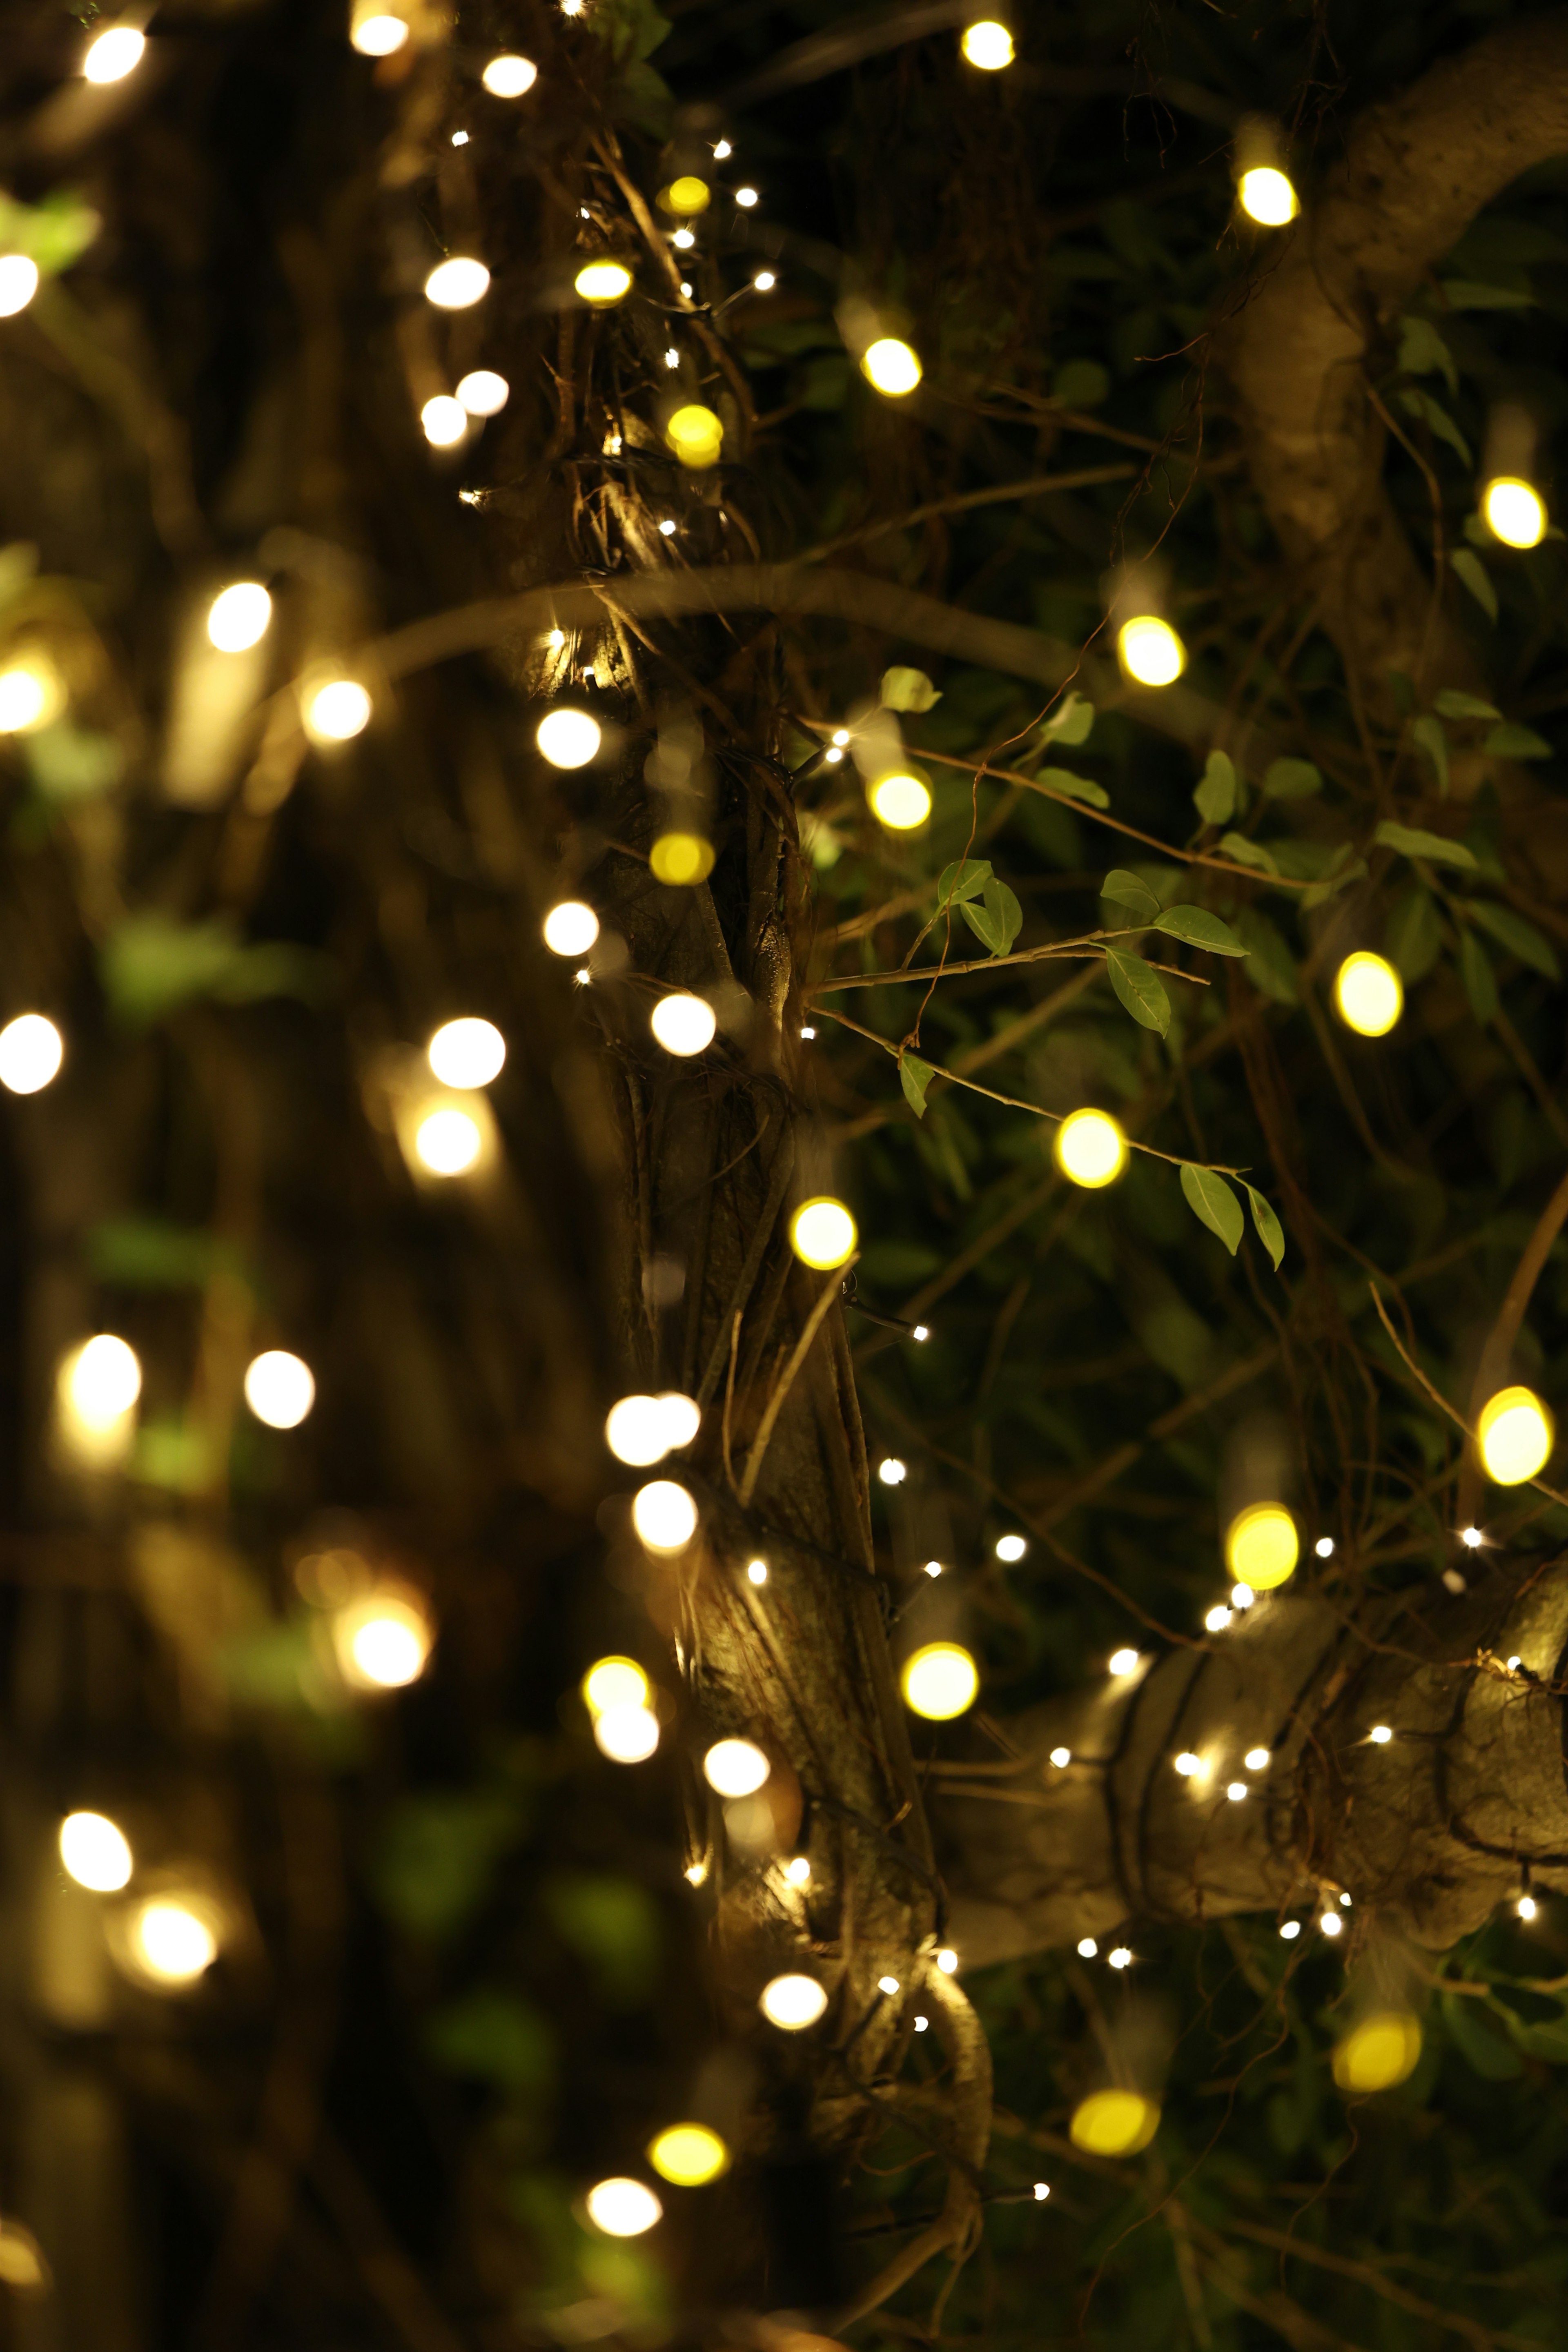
column 822, row 1234
column 457, row 284
column 746, row 198
column 1324, row 1547
column 687, row 196
column 736, row 1768
column 756, row 1571
column 988, row 45
column 939, row 1681
column 483, row 392
column 891, row 367
column 1011, row 1547
column 447, row 1142
column 445, row 421
column 684, row 239
column 890, row 1985
column 722, row 150
column 28, row 696
column 1242, row 1596
column 1526, row 1906
column 1289, row 1929
column 602, row 283
column 891, row 1471
column 1471, row 1537
column 689, row 2155
column 568, row 737
column 614, row 1682
column 279, row 1389
column 18, row 283
column 1123, row 1661
column 1381, row 2052
column 681, row 859
column 665, row 1517
column 1235, row 1791
column 1061, row 1757
column 96, row 1853
column 1087, row 1948
column 1216, row 1619
column 1369, row 994
column 1380, row 1735
column 382, row 1641
column 1257, row 1759
column 798, row 1870
column 1514, row 512
column 1113, row 2123
column 1122, row 1957
column 627, row 1735
column 571, row 928
column 239, row 617
column 684, row 1024
column 765, row 282
column 623, row 2208
column 1515, row 1436
column 466, row 1052
column 509, row 76
column 696, row 436
column 792, row 2002
column 947, row 1960
column 114, row 54
column 1150, row 650
column 381, row 36
column 1189, row 1766
column 338, row 712
column 103, row 1381
column 173, row 1942
column 1267, row 197
column 900, row 802
column 31, row 1052
column 1262, row 1546
column 1090, row 1149
column 636, row 1431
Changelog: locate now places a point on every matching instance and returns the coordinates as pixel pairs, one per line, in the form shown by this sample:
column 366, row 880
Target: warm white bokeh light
column 1266, row 197
column 172, row 1942
column 96, row 1853
column 483, row 392
column 103, row 1381
column 615, row 1682
column 600, row 283
column 27, row 695
column 568, row 739
column 114, row 54
column 571, row 928
column 338, row 712
column 901, row 802
column 443, row 420
column 31, row 1052
column 1262, row 1546
column 510, row 76
column 623, row 2208
column 822, row 1234
column 448, row 1142
column 634, row 1431
column 279, row 1389
column 1515, row 1436
column 457, row 284
column 939, row 1681
column 1011, row 1547
column 683, row 1023
column 1257, row 1759
column 18, row 283
column 988, row 45
column 627, row 1735
column 382, row 1641
column 466, row 1052
column 1091, row 1149
column 1514, row 512
column 238, row 617
column 735, row 1768
column 1150, row 650
column 1121, row 1662
column 664, row 1516
column 891, row 367
column 380, row 36
column 1369, row 994
column 793, row 2002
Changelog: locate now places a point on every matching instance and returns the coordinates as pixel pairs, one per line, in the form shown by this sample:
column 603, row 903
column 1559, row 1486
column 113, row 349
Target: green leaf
column 1547, row 2039
column 1076, row 787
column 1426, row 733
column 1213, row 1203
column 1452, row 704
column 964, row 879
column 1248, row 852
column 496, row 2038
column 914, row 1076
column 53, row 234
column 1199, row 929
column 67, row 764
column 1508, row 742
column 1292, row 780
column 1519, row 938
column 909, row 690
column 1071, row 723
column 1216, row 795
column 1343, row 869
column 1138, row 987
column 1422, row 351
column 612, row 1924
column 1270, row 1232
column 1468, row 569
column 997, row 920
column 1476, row 2035
column 1479, row 979
column 151, row 965
column 1270, row 966
column 1124, row 889
column 1080, row 383
column 432, row 1866
column 146, row 1254
column 1437, row 418
column 1411, row 842
column 1466, row 294
column 1414, row 937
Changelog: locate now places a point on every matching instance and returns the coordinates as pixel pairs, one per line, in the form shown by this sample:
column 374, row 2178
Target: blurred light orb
column 614, row 1682
column 686, row 196
column 1515, row 1436
column 571, row 928
column 1369, row 994
column 627, row 1735
column 1121, row 1662
column 510, row 76
column 466, row 1052
column 696, row 436
column 114, row 54
column 1190, row 1765
column 746, row 198
column 1267, row 197
column 1382, row 2051
column 1090, row 1149
column 172, row 1942
column 1514, row 512
column 736, row 1768
column 988, row 45
column 1380, row 1735
column 379, row 36
column 798, row 1870
column 623, row 2208
column 383, row 1642
column 664, row 1516
column 1332, row 1923
column 457, row 284
column 1216, row 1619
column 448, row 1142
column 104, row 1380
column 891, row 367
column 891, row 1471
column 279, row 1389
column 96, row 1853
column 18, row 283
column 900, row 802
column 1257, row 1759
column 947, row 1960
column 681, row 859
column 483, row 392
column 1061, row 1757
column 31, row 1052
column 683, row 1023
column 689, row 2155
column 939, row 1681
column 1113, row 2123
column 445, row 421
column 792, row 2002
column 1242, row 1596
column 822, row 1234
column 1262, row 1546
column 1011, row 1547
column 600, row 283
column 27, row 696
column 338, row 712
column 239, row 617
column 568, row 737
column 1150, row 650
column 634, row 1431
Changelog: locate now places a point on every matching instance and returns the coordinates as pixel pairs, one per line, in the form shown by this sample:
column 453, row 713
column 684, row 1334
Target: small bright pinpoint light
column 1471, row 1537
column 1526, row 1906
column 939, row 1681
column 1090, row 1149
column 1291, row 1929
column 445, row 421
column 567, row 738
column 1324, row 1547
column 28, row 696
column 382, row 1641
column 96, row 1853
column 1267, row 197
column 614, row 1682
column 279, row 1389
column 988, row 45
column 686, row 196
column 103, row 1381
column 1061, row 1757
column 689, row 2155
column 457, row 284
column 31, row 1052
column 681, row 859
column 735, row 1768
column 447, row 1142
column 18, row 283
column 1333, row 1923
column 114, row 54
column 238, row 617
column 1122, row 1957
column 746, row 198
column 1257, row 1759
column 1380, row 1735
column 683, row 1023
column 947, row 1960
column 627, row 1735
column 571, row 928
column 601, row 283
column 1515, row 1436
column 765, row 282
column 1381, row 2052
column 1514, row 512
column 901, row 802
column 379, row 36
column 1011, row 1547
column 891, row 1471
column 171, row 1941
column 483, row 392
column 338, row 712
column 623, row 2208
column 891, row 367
column 822, row 1234
column 1121, row 1662
column 665, row 1517
column 1261, row 1547
column 756, row 1571
column 466, row 1052
column 1242, row 1596
column 1216, row 1619
column 798, row 1870
column 509, row 76
column 792, row 2002
column 1087, row 1948
column 1189, row 1765
column 1235, row 1791
column 1113, row 2123
column 1369, row 994
column 1150, row 650
column 890, row 1985
column 695, row 434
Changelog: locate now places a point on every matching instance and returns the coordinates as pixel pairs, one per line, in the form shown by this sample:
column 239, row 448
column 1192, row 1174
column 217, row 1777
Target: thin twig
column 775, row 1405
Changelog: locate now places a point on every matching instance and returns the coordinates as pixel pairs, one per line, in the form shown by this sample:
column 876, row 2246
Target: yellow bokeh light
column 239, row 617
column 623, row 2208
column 279, row 1389
column 30, row 696
column 614, row 1682
column 443, row 420
column 96, row 1853
column 1369, row 994
column 1090, row 1149
column 337, row 712
column 627, row 1735
column 171, row 1941
column 114, row 54
column 1113, row 2123
column 448, row 1142
column 681, row 859
column 939, row 1681
column 600, row 283
column 1379, row 2052
column 792, row 2002
column 382, row 1641
column 988, row 45
column 695, row 434
column 1267, row 197
column 689, row 2155
column 457, row 284
column 379, row 36
column 18, row 283
column 102, row 1381
column 901, row 802
column 822, row 1233
column 1515, row 1436
column 1150, row 650
column 736, row 1768
column 510, row 76
column 483, row 392
column 891, row 367
column 1514, row 512
column 664, row 1516
column 1262, row 1546
column 31, row 1052
column 687, row 196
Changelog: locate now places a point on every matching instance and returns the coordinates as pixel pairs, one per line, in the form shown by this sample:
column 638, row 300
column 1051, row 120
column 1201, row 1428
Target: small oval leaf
column 1213, row 1203
column 1124, row 889
column 1138, row 986
column 1199, row 929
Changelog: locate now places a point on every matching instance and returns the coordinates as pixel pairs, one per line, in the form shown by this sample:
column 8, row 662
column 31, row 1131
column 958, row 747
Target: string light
column 509, row 76
column 1383, row 2050
column 568, row 737
column 689, row 2155
column 1121, row 1662
column 939, row 1681
column 102, row 1381
column 1061, row 1757
column 891, row 1471
column 612, row 1682
column 114, row 54
column 382, row 1641
column 681, row 859
column 1470, row 1537
column 1042, row 2190
column 891, row 367
column 337, row 712
column 457, row 284
column 1242, row 1596
column 822, row 1234
column 1526, row 1906
column 1151, row 651
column 1369, row 994
column 668, row 528
column 1515, row 1436
column 684, row 239
column 1190, row 1765
column 627, row 1735
column 792, row 2002
column 947, row 1960
column 683, row 1023
column 765, row 282
column 798, row 1870
column 1235, row 1791
column 1257, row 1759
column 279, row 1389
column 239, row 617
column 622, row 2208
column 483, row 392
column 736, row 1768
column 1262, row 1546
column 934, row 1568
column 29, row 695
column 380, row 34
column 31, row 1052
column 641, row 1430
column 696, row 436
column 1514, row 512
column 1289, row 1929
column 1122, row 1957
column 460, row 138
column 756, row 1571
column 1113, row 2123
column 1090, row 1149
column 1267, row 197
column 96, row 1853
column 665, row 1517
column 172, row 1942
column 445, row 421
column 688, row 196
column 901, row 802
column 888, row 1985
column 449, row 1142
column 1216, row 1619
column 1324, row 1547
column 1087, row 1948
column 571, row 928
column 746, row 198
column 602, row 283
column 18, row 283
column 1331, row 1923
column 466, row 1052
column 722, row 150
column 920, row 2024
column 988, row 45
